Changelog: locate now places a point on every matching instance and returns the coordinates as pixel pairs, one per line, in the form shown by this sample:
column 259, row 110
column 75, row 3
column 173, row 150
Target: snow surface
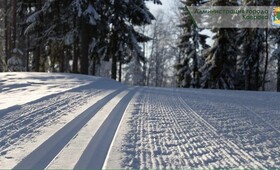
column 21, row 88
column 62, row 121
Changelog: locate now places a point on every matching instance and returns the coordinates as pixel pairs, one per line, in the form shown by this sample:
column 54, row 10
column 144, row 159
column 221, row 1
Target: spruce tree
column 125, row 16
column 86, row 32
column 66, row 20
column 276, row 53
column 219, row 70
column 254, row 52
column 188, row 72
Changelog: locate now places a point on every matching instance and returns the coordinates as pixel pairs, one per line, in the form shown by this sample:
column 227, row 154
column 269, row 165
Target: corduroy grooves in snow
column 68, row 121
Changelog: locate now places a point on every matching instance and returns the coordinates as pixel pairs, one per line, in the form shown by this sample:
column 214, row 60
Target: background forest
column 123, row 40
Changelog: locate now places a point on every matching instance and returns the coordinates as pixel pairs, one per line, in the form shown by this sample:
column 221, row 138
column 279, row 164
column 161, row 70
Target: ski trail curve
column 46, row 152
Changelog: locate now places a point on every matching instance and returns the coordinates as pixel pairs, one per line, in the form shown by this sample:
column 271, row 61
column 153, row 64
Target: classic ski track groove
column 171, row 130
column 38, row 118
column 254, row 113
column 127, row 110
column 42, row 160
column 96, row 151
column 52, row 104
column 83, row 137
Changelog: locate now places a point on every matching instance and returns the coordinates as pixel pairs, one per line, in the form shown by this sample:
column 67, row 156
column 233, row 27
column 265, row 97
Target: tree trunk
column 14, row 23
column 27, row 53
column 94, row 65
column 178, row 79
column 113, row 56
column 61, row 59
column 114, row 67
column 75, row 57
column 195, row 82
column 278, row 75
column 114, row 40
column 66, row 59
column 120, row 71
column 84, row 46
column 10, row 42
column 145, row 73
column 148, row 75
column 145, row 62
column 266, row 60
column 247, row 79
column 37, row 53
column 6, row 31
column 75, row 51
column 256, row 75
column 36, row 59
column 156, row 69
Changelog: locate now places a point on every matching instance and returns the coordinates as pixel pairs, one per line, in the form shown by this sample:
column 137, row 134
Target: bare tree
column 163, row 51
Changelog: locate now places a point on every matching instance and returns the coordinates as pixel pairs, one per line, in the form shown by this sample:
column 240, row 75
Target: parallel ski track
column 53, row 102
column 40, row 105
column 46, row 152
column 244, row 126
column 28, row 116
column 263, row 120
column 97, row 150
column 215, row 132
column 30, row 120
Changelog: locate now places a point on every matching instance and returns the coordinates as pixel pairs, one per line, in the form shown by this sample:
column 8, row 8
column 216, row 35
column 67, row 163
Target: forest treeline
column 91, row 37
column 72, row 35
column 244, row 59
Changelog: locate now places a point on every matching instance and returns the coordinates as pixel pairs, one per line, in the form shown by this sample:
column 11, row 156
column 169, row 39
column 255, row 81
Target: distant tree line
column 72, row 35
column 109, row 36
column 242, row 59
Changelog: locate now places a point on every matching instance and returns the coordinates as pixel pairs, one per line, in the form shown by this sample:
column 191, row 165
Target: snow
column 50, row 121
column 114, row 158
column 74, row 149
column 15, row 63
column 198, row 129
column 21, row 88
column 88, row 12
column 33, row 18
column 93, row 15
